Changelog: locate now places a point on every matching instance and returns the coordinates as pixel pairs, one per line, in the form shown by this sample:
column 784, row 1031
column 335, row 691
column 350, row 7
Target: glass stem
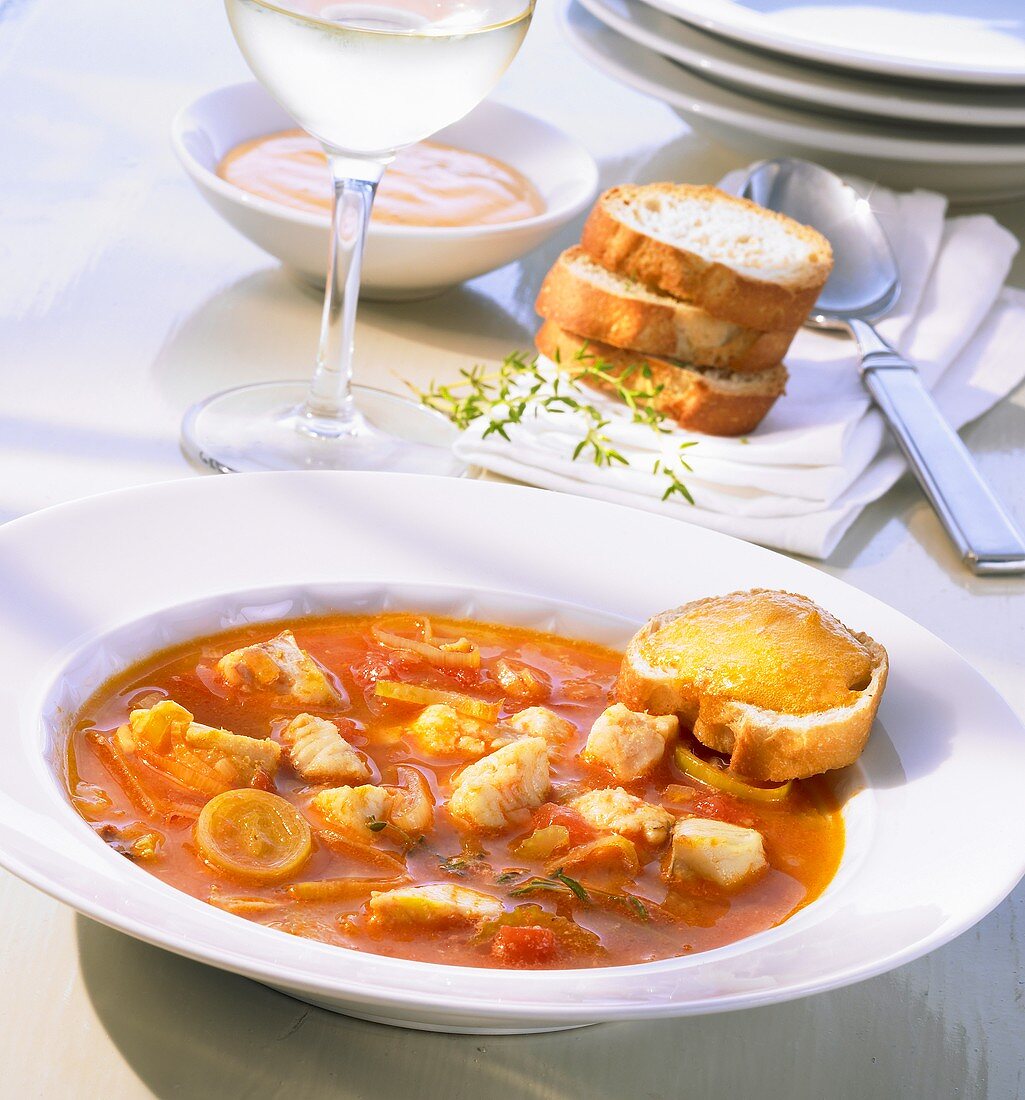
column 329, row 409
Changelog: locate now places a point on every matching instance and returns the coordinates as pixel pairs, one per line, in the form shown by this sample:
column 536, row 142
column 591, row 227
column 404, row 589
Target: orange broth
column 803, row 834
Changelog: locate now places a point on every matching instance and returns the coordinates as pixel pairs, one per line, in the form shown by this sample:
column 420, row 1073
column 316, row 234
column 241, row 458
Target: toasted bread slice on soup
column 731, row 257
column 767, row 677
column 583, row 297
column 701, row 399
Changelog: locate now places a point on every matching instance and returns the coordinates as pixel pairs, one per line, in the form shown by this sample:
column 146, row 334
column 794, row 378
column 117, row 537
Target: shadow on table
column 264, row 328
column 189, row 1030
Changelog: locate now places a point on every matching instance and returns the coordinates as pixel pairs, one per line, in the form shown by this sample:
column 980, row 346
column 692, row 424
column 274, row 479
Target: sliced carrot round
column 254, row 835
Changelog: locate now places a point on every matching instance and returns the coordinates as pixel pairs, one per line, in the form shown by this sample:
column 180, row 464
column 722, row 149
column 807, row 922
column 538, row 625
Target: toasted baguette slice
column 833, row 678
column 733, row 258
column 583, row 297
column 701, row 399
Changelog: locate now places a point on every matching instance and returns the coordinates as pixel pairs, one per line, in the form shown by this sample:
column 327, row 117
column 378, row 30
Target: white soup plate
column 966, row 41
column 764, row 74
column 976, row 165
column 402, row 261
column 99, row 583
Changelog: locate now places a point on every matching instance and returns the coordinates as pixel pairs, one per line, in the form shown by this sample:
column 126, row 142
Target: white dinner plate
column 402, row 261
column 968, row 165
column 935, row 836
column 967, row 41
column 808, row 85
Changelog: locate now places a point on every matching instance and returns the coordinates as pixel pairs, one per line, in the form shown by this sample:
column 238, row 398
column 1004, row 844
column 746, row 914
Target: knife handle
column 984, row 534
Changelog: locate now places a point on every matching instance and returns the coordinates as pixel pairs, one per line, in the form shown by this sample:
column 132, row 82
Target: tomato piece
column 254, row 835
column 527, row 946
column 553, row 814
column 380, row 666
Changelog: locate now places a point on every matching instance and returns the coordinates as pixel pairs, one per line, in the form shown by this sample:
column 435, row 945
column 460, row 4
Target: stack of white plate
column 909, row 92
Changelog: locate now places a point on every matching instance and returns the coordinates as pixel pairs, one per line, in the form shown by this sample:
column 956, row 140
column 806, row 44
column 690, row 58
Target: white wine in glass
column 365, row 80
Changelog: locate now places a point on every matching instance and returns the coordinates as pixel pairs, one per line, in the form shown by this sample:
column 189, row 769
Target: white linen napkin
column 822, row 453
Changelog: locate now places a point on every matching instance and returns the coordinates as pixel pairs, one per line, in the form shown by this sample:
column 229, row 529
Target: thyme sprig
column 561, row 883
column 504, row 397
column 558, row 882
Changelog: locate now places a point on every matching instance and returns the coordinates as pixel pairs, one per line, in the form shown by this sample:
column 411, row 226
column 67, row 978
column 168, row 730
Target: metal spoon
column 865, row 285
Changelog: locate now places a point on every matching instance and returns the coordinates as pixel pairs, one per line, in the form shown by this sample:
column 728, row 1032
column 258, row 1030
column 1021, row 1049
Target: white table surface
column 122, row 300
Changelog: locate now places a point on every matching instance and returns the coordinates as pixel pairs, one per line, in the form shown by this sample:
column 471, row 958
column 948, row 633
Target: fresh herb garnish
column 558, row 882
column 454, row 865
column 511, row 875
column 561, row 883
column 675, row 484
column 532, row 886
column 408, row 842
column 504, row 396
column 638, row 906
column 572, row 884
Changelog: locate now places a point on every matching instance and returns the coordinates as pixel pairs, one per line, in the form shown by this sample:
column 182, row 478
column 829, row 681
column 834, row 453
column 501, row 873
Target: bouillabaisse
column 452, row 792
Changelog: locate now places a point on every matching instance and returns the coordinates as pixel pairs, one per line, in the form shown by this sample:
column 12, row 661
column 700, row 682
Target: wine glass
column 365, row 80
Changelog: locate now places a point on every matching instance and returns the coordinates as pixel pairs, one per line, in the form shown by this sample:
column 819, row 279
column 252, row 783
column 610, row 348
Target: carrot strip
column 112, row 759
column 424, row 696
column 339, row 842
column 338, row 889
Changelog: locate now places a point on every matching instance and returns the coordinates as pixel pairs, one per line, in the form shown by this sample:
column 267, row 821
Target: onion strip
column 711, row 776
column 244, row 907
column 187, row 774
column 424, row 696
column 433, row 654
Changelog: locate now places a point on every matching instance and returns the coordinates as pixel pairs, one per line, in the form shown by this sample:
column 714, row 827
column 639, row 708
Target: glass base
column 263, row 427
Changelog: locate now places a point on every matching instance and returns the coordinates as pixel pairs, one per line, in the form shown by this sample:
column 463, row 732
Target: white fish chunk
column 279, row 665
column 620, row 812
column 319, row 753
column 352, row 809
column 514, row 777
column 440, row 730
column 728, row 855
column 244, row 753
column 542, row 722
column 433, row 906
column 629, row 743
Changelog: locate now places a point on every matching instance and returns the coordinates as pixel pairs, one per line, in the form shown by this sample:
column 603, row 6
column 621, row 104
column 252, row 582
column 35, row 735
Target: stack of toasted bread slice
column 697, row 291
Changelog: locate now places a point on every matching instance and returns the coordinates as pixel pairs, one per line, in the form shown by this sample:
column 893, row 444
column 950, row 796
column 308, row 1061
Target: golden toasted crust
column 762, row 744
column 637, row 322
column 718, row 287
column 705, row 400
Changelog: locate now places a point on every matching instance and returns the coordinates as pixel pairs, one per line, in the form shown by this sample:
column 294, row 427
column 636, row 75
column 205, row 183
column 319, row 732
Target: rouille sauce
column 428, row 184
column 769, row 649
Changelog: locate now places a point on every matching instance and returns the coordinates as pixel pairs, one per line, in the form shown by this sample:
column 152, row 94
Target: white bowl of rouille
column 481, row 193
